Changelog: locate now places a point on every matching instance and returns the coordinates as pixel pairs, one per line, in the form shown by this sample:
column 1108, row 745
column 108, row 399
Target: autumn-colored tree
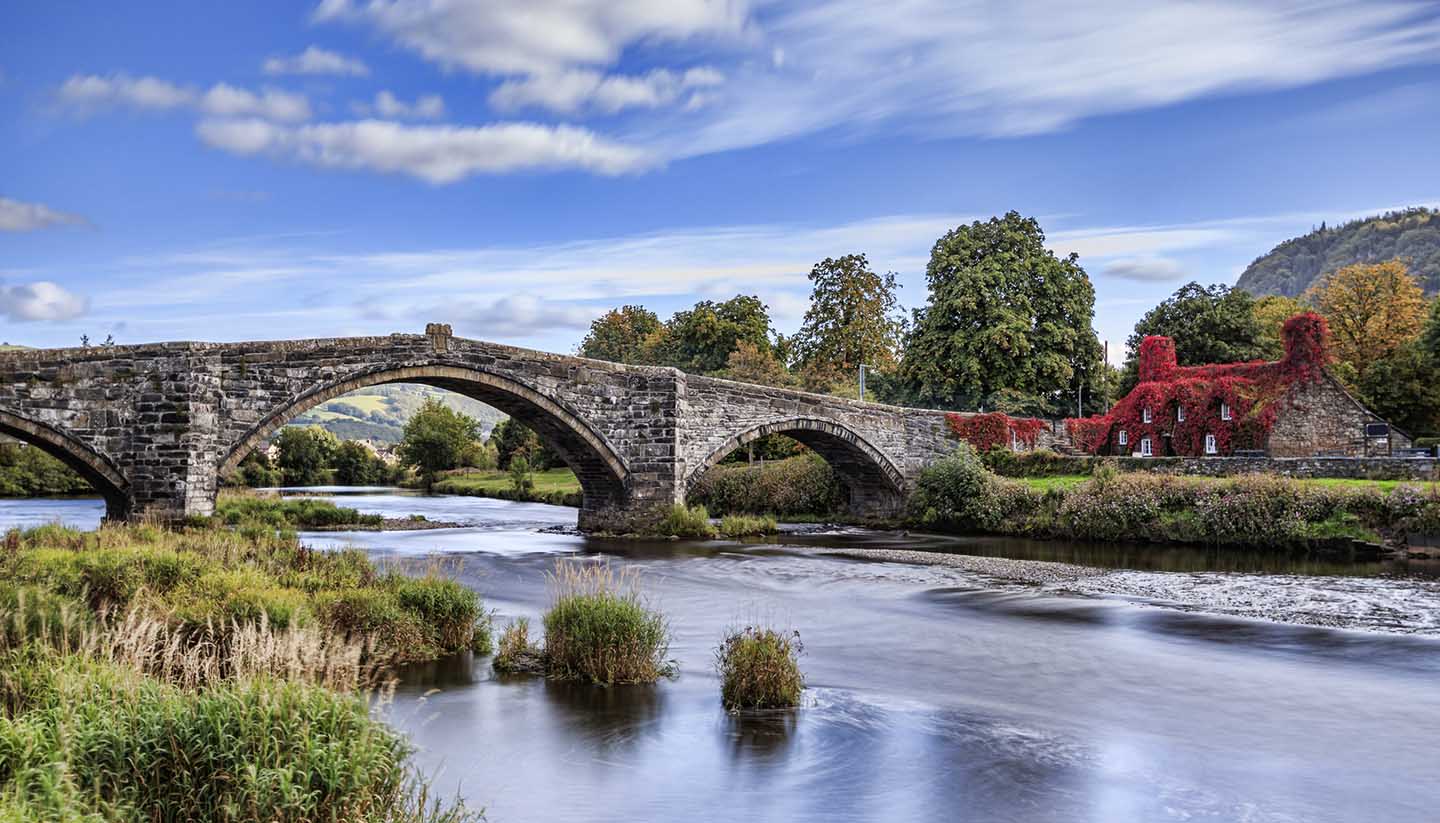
column 1373, row 309
column 1271, row 312
column 751, row 364
column 622, row 335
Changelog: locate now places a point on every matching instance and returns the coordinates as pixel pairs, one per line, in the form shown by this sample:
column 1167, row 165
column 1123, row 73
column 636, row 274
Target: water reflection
column 760, row 737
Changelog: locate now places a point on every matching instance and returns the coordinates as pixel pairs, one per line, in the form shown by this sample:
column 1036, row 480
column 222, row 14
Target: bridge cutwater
column 155, row 426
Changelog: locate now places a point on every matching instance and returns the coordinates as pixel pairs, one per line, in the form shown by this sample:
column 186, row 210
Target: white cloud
column 41, row 301
column 90, row 92
column 571, row 91
column 518, row 315
column 228, row 101
column 425, row 107
column 19, row 216
column 436, row 154
column 536, row 36
column 315, row 60
column 1145, row 269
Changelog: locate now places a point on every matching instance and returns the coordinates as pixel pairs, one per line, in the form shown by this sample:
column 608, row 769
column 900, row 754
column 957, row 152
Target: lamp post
column 863, row 367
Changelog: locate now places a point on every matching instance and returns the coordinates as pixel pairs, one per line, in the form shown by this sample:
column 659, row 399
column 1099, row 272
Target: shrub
column 798, row 486
column 516, row 654
column 746, row 525
column 956, row 492
column 1038, row 463
column 760, row 669
column 88, row 739
column 687, row 522
column 599, row 629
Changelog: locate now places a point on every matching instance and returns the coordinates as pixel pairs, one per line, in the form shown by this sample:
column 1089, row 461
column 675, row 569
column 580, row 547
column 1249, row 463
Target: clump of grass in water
column 746, row 525
column 599, row 628
column 515, row 653
column 760, row 669
column 687, row 522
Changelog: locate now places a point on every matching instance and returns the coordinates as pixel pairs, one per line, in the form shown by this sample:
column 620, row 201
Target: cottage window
column 1224, row 411
column 1145, row 447
column 1124, row 438
column 1179, row 414
column 1210, row 444
column 1145, row 415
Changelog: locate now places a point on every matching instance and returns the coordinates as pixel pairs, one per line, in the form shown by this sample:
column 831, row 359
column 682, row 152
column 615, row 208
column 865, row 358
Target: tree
column 851, row 320
column 514, row 439
column 623, row 335
column 305, row 452
column 1403, row 388
column 1271, row 312
column 701, row 339
column 436, row 438
column 521, row 479
column 256, row 471
column 751, row 364
column 1003, row 313
column 1208, row 324
column 1373, row 309
column 356, row 465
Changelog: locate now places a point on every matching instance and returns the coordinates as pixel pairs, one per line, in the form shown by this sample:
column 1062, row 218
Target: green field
column 556, row 486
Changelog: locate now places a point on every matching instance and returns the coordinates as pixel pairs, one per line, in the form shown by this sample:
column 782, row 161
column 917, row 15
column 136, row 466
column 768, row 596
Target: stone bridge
column 154, row 426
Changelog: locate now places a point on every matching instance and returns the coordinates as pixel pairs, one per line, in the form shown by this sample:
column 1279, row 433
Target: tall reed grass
column 759, row 668
column 600, row 628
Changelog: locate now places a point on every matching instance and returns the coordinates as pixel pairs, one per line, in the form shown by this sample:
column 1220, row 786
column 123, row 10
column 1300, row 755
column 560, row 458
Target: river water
column 935, row 693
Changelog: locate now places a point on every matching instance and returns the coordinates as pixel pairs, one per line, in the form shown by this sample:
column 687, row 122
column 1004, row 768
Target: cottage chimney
column 1157, row 358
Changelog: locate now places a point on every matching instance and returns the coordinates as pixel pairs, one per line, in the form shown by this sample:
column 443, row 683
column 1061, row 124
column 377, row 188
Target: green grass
column 88, row 739
column 746, row 525
column 1064, row 481
column 248, row 509
column 223, row 578
column 600, row 629
column 759, row 669
column 690, row 522
column 556, row 486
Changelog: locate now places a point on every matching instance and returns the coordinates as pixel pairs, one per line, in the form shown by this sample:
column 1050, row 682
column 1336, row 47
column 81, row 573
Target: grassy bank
column 251, row 509
column 209, row 674
column 960, row 494
column 558, row 487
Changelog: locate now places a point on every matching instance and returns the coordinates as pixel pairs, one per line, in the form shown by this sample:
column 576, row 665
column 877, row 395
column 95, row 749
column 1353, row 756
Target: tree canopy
column 436, row 438
column 1373, row 310
column 622, row 335
column 700, row 339
column 305, row 453
column 851, row 320
column 1003, row 313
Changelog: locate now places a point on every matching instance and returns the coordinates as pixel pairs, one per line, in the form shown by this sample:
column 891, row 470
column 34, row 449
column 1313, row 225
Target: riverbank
column 557, row 487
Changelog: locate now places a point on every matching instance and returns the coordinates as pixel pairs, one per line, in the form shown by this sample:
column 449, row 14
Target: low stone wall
column 1365, row 468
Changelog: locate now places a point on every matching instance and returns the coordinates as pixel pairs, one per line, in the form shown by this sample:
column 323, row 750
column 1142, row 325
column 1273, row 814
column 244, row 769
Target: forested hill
column 1413, row 235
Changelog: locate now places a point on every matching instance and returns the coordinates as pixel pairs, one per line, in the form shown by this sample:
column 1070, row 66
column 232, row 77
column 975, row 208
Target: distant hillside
column 380, row 412
column 1413, row 235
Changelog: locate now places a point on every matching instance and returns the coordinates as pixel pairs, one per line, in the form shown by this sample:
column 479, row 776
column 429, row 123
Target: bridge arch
column 603, row 475
column 876, row 485
column 97, row 470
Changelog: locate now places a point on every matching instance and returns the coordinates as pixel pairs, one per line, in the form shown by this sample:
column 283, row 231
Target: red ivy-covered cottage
column 1292, row 407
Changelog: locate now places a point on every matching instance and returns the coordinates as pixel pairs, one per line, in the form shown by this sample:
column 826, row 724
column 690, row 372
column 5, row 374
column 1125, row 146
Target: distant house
column 1292, row 407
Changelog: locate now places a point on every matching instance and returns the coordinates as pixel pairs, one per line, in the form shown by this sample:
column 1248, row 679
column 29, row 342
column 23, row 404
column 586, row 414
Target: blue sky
column 228, row 171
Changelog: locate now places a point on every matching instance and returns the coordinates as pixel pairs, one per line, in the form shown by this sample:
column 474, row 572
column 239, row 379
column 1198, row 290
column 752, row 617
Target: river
column 936, row 693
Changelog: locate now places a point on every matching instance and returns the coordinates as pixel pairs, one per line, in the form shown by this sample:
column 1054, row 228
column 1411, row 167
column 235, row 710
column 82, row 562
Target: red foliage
column 984, row 431
column 1249, row 390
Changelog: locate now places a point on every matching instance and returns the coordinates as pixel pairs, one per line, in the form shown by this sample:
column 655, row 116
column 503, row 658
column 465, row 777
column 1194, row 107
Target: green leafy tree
column 256, row 471
column 355, row 465
column 1271, row 312
column 701, row 339
column 522, row 481
column 305, row 452
column 751, row 364
column 1404, row 388
column 1209, row 324
column 624, row 335
column 851, row 320
column 1003, row 313
column 514, row 439
column 436, row 438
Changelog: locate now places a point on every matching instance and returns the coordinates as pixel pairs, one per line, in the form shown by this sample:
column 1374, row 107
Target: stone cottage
column 1292, row 407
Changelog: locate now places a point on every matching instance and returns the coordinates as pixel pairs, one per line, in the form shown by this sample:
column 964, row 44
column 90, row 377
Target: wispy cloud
column 19, row 216
column 386, row 104
column 315, row 60
column 1145, row 269
column 435, row 154
column 87, row 93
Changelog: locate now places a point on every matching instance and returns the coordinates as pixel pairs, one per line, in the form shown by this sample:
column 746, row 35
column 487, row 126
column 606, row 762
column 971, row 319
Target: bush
column 957, row 492
column 798, row 486
column 294, row 513
column 599, row 629
column 692, row 523
column 1037, row 463
column 745, row 525
column 760, row 669
column 82, row 738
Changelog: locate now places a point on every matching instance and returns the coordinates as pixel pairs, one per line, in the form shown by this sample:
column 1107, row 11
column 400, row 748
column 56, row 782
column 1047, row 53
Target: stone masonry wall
column 1322, row 417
